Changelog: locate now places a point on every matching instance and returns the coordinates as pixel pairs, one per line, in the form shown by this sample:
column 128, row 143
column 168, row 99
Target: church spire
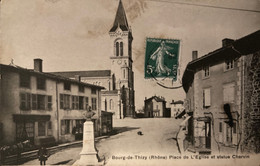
column 120, row 19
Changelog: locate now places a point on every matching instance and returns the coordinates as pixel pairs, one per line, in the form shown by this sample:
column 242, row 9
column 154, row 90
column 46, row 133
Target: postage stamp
column 161, row 58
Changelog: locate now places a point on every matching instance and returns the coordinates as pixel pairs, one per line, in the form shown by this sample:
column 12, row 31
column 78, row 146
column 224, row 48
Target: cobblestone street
column 156, row 139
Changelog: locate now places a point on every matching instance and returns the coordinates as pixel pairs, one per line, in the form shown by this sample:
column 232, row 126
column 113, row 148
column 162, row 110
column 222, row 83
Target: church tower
column 121, row 60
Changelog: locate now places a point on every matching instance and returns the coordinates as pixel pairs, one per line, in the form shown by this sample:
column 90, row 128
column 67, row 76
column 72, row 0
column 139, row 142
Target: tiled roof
column 177, row 102
column 90, row 73
column 120, row 19
column 243, row 46
column 18, row 69
column 156, row 98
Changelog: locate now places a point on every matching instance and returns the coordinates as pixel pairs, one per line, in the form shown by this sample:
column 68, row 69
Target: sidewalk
column 63, row 157
column 67, row 155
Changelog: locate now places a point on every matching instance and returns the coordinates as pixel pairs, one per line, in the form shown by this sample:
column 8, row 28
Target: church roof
column 110, row 92
column 90, row 73
column 120, row 19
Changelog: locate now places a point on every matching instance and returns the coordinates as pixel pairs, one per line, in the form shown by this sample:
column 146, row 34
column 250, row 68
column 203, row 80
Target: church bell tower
column 121, row 60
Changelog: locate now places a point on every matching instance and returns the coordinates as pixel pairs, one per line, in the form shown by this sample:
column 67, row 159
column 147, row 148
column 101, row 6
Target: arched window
column 121, row 48
column 124, row 72
column 111, row 104
column 117, row 49
column 105, row 104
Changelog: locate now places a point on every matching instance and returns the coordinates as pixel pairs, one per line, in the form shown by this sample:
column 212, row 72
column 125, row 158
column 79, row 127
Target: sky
column 73, row 35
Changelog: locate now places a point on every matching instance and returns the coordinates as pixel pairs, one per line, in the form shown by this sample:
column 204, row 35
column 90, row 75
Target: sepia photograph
column 130, row 82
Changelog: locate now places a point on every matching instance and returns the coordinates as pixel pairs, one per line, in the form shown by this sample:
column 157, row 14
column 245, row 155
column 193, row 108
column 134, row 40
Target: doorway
column 208, row 134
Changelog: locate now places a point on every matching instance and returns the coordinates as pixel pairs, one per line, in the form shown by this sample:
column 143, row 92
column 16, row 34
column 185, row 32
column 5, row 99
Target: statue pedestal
column 88, row 155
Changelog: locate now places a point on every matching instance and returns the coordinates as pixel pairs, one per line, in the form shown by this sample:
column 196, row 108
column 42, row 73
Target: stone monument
column 88, row 155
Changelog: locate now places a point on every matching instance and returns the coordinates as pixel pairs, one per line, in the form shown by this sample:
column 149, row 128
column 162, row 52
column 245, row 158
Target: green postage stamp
column 161, row 58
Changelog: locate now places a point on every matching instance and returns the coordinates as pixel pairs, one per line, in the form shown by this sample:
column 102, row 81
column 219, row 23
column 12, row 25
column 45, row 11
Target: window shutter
column 206, row 97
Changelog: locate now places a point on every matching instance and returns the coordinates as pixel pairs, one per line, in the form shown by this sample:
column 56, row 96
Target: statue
column 88, row 155
column 88, row 114
column 158, row 55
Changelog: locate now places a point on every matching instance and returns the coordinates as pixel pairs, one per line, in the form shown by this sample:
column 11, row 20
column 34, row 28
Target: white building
column 176, row 108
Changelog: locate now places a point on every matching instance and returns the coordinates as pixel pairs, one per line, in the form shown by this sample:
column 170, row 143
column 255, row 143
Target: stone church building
column 118, row 95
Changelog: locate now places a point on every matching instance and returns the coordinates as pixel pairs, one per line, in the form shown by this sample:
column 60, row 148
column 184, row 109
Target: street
column 126, row 146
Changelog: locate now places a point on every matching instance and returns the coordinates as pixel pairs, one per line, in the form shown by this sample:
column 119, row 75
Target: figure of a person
column 88, row 114
column 158, row 55
column 43, row 155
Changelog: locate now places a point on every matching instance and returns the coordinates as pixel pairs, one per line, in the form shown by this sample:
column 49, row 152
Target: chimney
column 78, row 78
column 194, row 55
column 226, row 42
column 38, row 65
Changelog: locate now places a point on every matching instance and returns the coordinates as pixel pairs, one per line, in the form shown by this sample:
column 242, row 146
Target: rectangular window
column 220, row 127
column 81, row 88
column 67, row 124
column 86, row 103
column 75, row 102
column 229, row 93
column 206, row 72
column 41, row 128
column 49, row 125
column 29, row 126
column 49, row 102
column 234, row 128
column 94, row 103
column 206, row 98
column 41, row 83
column 64, row 101
column 81, row 102
column 34, row 102
column 61, row 101
column 25, row 80
column 25, row 101
column 65, row 127
column 229, row 64
column 93, row 91
column 24, row 129
column 41, row 102
column 62, row 123
column 66, row 86
column 19, row 130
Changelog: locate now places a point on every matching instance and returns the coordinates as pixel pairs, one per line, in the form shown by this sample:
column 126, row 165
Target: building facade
column 176, row 108
column 155, row 107
column 43, row 107
column 118, row 95
column 218, row 90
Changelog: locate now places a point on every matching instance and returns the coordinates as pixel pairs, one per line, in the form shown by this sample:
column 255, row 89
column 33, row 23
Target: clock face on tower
column 119, row 62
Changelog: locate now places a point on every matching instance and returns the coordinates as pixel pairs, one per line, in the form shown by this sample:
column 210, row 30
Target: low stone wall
column 251, row 141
